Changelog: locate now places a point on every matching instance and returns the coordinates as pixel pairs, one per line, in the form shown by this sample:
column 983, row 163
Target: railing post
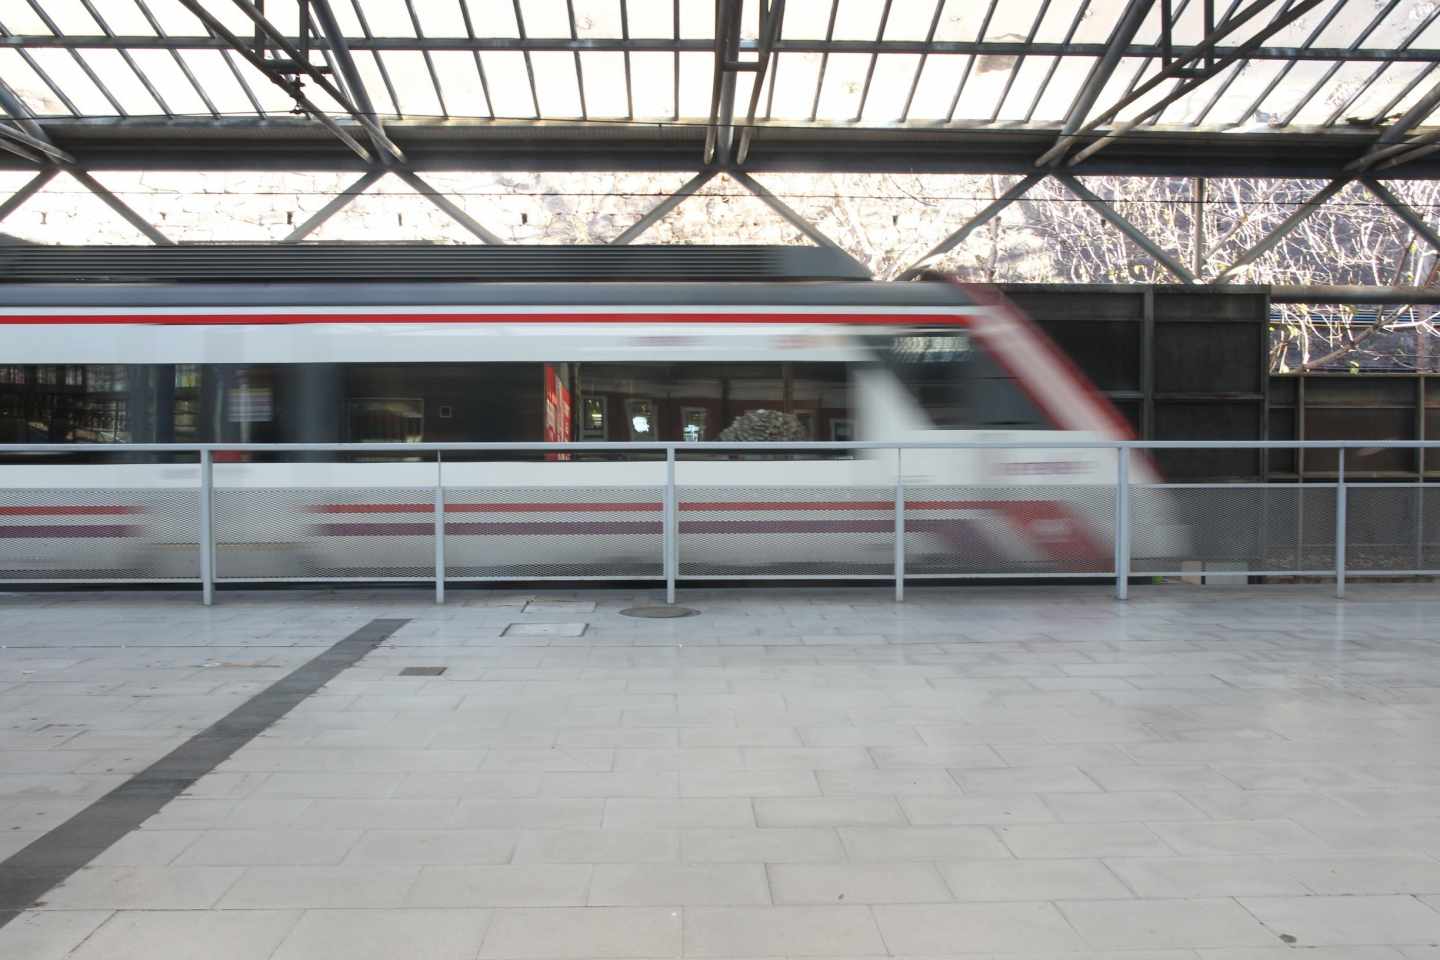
column 899, row 526
column 439, row 527
column 670, row 537
column 1122, row 523
column 207, row 529
column 1340, row 529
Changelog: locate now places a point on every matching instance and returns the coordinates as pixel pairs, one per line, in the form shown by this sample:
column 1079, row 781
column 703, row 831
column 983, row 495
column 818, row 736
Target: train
column 383, row 360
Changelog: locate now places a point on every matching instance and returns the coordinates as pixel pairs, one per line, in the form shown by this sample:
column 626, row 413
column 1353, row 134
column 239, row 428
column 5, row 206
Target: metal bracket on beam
column 292, row 87
column 1206, row 48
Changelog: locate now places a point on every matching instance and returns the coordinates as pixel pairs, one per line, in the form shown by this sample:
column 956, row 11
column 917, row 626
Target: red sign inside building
column 557, row 412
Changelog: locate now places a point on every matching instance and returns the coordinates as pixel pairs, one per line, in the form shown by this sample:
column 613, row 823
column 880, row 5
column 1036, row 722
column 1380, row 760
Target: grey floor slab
column 1197, row 774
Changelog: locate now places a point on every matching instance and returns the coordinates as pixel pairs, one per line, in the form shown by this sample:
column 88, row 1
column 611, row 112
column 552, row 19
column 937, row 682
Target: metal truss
column 1116, row 122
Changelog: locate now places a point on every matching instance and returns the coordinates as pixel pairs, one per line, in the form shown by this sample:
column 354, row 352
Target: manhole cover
column 659, row 613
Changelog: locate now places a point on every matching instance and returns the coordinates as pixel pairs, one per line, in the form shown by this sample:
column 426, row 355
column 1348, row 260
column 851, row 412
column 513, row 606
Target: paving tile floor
column 1198, row 774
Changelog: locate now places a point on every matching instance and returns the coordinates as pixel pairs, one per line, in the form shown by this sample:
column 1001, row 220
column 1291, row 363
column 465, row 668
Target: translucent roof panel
column 974, row 67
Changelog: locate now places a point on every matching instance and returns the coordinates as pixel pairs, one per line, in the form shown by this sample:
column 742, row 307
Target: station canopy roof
column 1191, row 87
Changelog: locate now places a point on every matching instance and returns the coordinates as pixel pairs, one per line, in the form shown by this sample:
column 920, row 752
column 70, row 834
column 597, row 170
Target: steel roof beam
column 658, row 212
column 772, row 19
column 1136, row 236
column 987, row 214
column 1391, row 148
column 1178, row 68
column 789, row 215
column 303, row 65
column 1404, row 211
column 720, row 133
column 997, row 48
column 450, row 207
column 9, row 146
column 30, row 135
column 30, row 188
column 292, row 88
column 37, row 151
column 1286, row 227
column 350, row 77
column 336, row 204
column 1100, row 74
column 121, row 207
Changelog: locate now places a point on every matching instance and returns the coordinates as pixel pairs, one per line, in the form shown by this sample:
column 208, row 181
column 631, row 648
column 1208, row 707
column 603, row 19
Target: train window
column 641, row 417
column 386, row 420
column 327, row 403
column 592, row 420
column 697, row 401
column 957, row 383
column 934, row 367
column 692, row 424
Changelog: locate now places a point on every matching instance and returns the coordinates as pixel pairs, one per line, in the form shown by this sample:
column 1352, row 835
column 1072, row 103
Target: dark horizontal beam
column 1354, row 294
column 999, row 48
column 282, row 143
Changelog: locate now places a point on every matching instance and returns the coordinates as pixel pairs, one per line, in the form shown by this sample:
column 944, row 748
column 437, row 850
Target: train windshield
column 956, row 382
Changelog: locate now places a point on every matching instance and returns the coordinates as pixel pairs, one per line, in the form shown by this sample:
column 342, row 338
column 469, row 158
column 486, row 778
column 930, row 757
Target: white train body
column 968, row 512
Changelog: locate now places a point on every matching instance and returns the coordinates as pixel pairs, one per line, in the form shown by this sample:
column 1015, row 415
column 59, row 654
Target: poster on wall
column 557, row 412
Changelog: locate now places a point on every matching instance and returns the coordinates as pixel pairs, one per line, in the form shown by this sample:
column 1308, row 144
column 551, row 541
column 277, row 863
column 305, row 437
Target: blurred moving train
column 440, row 360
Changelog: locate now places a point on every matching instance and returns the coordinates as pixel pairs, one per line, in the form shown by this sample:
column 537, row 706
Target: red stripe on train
column 68, row 511
column 58, row 531
column 273, row 319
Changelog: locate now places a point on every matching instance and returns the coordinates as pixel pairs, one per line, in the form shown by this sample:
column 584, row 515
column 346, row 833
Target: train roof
column 378, row 275
column 383, row 294
column 509, row 263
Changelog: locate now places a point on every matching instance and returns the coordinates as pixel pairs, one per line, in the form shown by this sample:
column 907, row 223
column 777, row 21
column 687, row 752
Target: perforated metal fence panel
column 88, row 534
column 579, row 532
column 787, row 531
column 1009, row 530
column 1391, row 528
column 1180, row 529
column 328, row 533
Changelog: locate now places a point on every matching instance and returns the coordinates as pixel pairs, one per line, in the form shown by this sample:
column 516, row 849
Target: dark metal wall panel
column 1179, row 363
column 1340, row 406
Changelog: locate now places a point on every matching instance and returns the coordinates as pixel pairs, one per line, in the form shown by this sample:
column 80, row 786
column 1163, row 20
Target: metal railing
column 1112, row 504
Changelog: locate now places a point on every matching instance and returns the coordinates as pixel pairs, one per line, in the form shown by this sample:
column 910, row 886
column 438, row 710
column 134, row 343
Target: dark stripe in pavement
column 28, row 874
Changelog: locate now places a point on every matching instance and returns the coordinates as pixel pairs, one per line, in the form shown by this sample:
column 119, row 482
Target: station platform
column 1200, row 773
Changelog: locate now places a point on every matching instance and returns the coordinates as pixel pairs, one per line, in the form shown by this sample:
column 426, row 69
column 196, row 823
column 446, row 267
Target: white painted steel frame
column 670, row 550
